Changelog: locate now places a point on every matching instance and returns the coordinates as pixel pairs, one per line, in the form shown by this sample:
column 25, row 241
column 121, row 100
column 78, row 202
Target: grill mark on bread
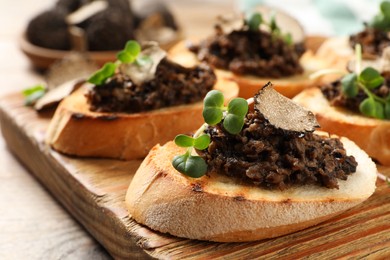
column 239, row 198
column 108, row 117
column 80, row 116
column 197, row 187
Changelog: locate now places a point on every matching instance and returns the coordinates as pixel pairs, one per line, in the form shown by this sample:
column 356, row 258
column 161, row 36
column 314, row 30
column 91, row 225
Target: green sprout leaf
column 288, row 39
column 234, row 120
column 372, row 108
column 387, row 109
column 100, row 76
column 29, row 91
column 349, row 85
column 33, row 94
column 125, row 57
column 192, row 166
column 130, row 52
column 184, row 140
column 133, row 48
column 272, row 24
column 195, row 166
column 381, row 21
column 213, row 107
column 371, row 78
column 367, row 107
column 233, row 123
column 202, row 142
column 379, row 110
column 238, row 106
column 385, row 9
column 254, row 21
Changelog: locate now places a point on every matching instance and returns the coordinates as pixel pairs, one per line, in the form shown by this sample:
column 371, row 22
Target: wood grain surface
column 93, row 191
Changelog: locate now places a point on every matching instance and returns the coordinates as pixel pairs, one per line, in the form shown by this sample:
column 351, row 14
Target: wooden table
column 33, row 225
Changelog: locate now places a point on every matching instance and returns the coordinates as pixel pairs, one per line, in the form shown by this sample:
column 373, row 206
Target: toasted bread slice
column 249, row 85
column 75, row 130
column 216, row 208
column 370, row 134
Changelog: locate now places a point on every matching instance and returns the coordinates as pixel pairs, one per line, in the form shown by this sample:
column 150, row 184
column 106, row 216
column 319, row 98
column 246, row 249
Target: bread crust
column 370, row 134
column 75, row 130
column 250, row 85
column 216, row 208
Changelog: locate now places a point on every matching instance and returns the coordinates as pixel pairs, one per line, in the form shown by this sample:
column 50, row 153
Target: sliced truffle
column 282, row 112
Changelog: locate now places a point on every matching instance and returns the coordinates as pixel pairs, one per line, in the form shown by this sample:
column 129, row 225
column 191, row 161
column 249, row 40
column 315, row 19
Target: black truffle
column 108, row 30
column 49, row 30
column 69, row 6
column 156, row 8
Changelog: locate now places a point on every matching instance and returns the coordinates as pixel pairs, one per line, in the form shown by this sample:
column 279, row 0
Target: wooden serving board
column 93, row 192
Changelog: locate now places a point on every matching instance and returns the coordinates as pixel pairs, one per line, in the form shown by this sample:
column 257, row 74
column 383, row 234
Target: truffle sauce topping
column 277, row 157
column 333, row 92
column 373, row 41
column 246, row 51
column 157, row 83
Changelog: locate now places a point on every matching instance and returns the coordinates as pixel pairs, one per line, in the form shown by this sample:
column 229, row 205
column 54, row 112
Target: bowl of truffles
column 95, row 30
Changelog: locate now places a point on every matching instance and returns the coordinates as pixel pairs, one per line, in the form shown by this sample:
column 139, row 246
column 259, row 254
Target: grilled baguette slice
column 216, row 208
column 75, row 130
column 249, row 85
column 370, row 134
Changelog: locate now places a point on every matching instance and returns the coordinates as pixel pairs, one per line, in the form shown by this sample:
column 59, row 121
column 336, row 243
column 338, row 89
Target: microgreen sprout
column 214, row 112
column 256, row 19
column 100, row 76
column 381, row 21
column 130, row 54
column 367, row 80
column 191, row 165
column 32, row 94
